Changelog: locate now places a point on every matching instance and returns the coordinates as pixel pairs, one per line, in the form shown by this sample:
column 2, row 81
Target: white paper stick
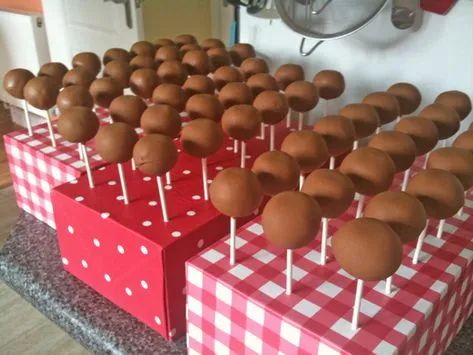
column 300, row 122
column 326, row 108
column 262, row 135
column 123, row 183
column 288, row 271
column 301, row 181
column 444, row 143
column 420, row 241
column 460, row 211
column 332, row 163
column 388, row 286
column 271, row 137
column 133, row 164
column 398, row 119
column 359, row 209
column 162, row 199
column 232, row 240
column 323, row 247
column 81, row 155
column 50, row 128
column 355, row 145
column 356, row 306
column 27, row 118
column 204, row 179
column 235, row 146
column 378, row 130
column 440, row 228
column 288, row 119
column 405, row 180
column 83, row 149
column 168, row 178
column 426, row 159
column 243, row 154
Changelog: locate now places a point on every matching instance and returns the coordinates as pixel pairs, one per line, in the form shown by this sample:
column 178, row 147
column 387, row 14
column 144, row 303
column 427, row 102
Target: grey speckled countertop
column 30, row 264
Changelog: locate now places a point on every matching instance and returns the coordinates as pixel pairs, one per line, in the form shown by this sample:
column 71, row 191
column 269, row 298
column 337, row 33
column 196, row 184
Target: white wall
column 436, row 57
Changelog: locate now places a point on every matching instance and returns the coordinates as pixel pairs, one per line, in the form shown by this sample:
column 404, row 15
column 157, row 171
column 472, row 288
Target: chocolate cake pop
column 119, row 54
column 170, row 94
column 465, row 141
column 290, row 221
column 287, row 74
column 235, row 93
column 261, row 82
column 444, row 117
column 198, row 84
column 408, row 96
column 167, row 53
column 385, row 104
column 364, row 117
column 241, row 51
column 399, row 146
column 118, row 70
column 162, row 119
column 330, row 84
column 127, row 109
column 78, row 76
column 210, row 43
column 218, row 57
column 457, row 100
column 89, row 61
column 251, row 66
column 189, row 47
column 143, row 48
column 302, row 97
column 74, row 95
column 172, row 72
column 54, row 70
column 143, row 82
column 197, row 62
column 141, row 62
column 104, row 90
column 180, row 40
column 457, row 161
column 235, row 192
column 204, row 106
column 422, row 131
column 226, row 74
column 334, row 193
column 161, row 42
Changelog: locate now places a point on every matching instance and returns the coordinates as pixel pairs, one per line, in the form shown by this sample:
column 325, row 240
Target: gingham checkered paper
column 36, row 167
column 244, row 310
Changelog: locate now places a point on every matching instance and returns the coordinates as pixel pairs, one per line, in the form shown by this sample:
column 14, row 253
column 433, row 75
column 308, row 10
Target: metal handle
column 310, row 51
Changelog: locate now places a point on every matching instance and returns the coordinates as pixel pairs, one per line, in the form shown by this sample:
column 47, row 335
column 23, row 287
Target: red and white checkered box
column 36, row 167
column 244, row 309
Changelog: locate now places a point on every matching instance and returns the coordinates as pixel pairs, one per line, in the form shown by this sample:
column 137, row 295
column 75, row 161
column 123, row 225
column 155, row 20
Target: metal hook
column 321, row 9
column 310, row 51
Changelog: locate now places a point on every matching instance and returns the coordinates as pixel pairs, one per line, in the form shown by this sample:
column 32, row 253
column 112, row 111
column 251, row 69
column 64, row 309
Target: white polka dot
column 219, row 168
column 96, row 242
column 105, row 215
column 144, row 284
column 107, row 277
column 102, row 168
column 186, row 172
column 147, row 178
column 229, row 148
column 178, row 150
column 70, row 229
column 196, row 197
column 121, row 249
column 144, row 250
column 120, row 198
column 84, row 264
column 65, row 261
column 176, row 234
column 112, row 182
column 172, row 332
column 168, row 187
column 248, row 156
column 191, row 213
column 209, row 181
column 128, row 291
column 200, row 243
column 157, row 320
column 153, row 203
column 73, row 182
column 79, row 198
column 146, row 223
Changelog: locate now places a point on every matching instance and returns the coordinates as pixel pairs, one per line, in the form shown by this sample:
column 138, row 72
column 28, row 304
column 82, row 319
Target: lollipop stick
column 378, row 130
column 83, row 149
column 162, row 199
column 356, row 306
column 81, row 155
column 398, row 119
column 301, row 181
column 359, row 209
column 204, row 179
column 323, row 247
column 27, row 118
column 444, row 143
column 332, row 163
column 355, row 145
column 326, row 108
column 440, row 228
column 420, row 241
column 168, row 178
column 460, row 211
column 388, row 285
column 50, row 128
column 288, row 119
column 405, row 180
column 123, row 183
column 262, row 131
column 300, row 123
column 288, row 271
column 133, row 164
column 426, row 159
column 232, row 240
column 243, row 154
column 271, row 137
column 235, row 146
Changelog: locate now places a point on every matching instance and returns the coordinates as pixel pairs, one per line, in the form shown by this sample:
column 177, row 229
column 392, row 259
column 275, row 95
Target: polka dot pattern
column 128, row 291
column 144, row 250
column 79, row 198
column 153, row 203
column 121, row 249
column 105, row 215
column 191, row 213
column 65, row 261
column 144, row 284
column 157, row 320
column 196, row 197
column 107, row 277
column 84, row 263
column 112, row 183
column 96, row 242
column 176, row 234
column 70, row 229
column 146, row 223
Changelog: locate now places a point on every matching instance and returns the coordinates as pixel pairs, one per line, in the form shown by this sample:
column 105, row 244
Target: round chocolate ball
column 196, row 62
column 183, row 39
column 399, row 146
column 167, row 53
column 465, row 141
column 330, row 84
column 78, row 76
column 127, row 109
column 225, row 75
column 364, row 117
column 201, row 137
column 119, row 54
column 445, row 118
column 276, row 172
column 367, row 249
column 408, row 96
column 142, row 61
column 287, row 74
column 272, row 105
column 235, row 93
column 307, row 148
column 302, row 96
column 155, row 154
column 210, row 43
column 74, row 95
column 104, row 90
column 198, row 84
column 15, row 80
column 241, row 51
column 143, row 82
column 333, row 191
column 387, row 106
column 457, row 161
column 261, row 82
column 401, row 211
column 241, row 122
column 291, row 220
column 457, row 100
column 236, row 192
column 162, row 119
column 439, row 191
column 423, row 132
column 118, row 70
column 54, row 70
column 89, row 61
column 189, row 47
column 115, row 142
column 161, row 42
column 338, row 132
column 78, row 124
column 218, row 57
column 143, row 48
column 371, row 170
column 172, row 72
column 251, row 66
column 170, row 94
column 41, row 92
column 204, row 106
